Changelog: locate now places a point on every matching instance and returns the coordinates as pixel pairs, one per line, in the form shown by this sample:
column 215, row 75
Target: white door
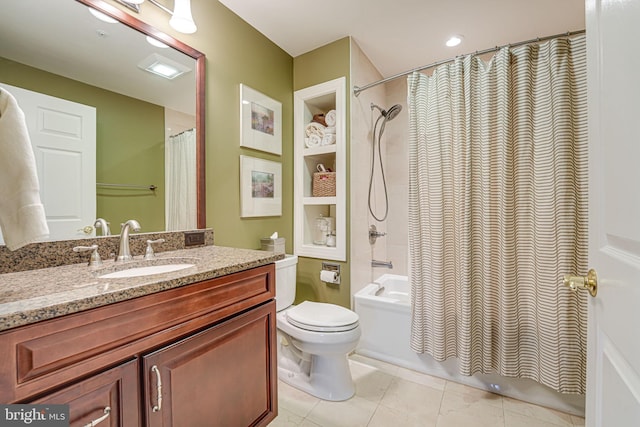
column 63, row 136
column 613, row 70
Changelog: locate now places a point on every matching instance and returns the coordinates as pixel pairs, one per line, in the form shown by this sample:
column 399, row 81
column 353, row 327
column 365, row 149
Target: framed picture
column 260, row 121
column 260, row 187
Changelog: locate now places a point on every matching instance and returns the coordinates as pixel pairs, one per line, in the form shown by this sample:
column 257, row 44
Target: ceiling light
column 163, row 67
column 156, row 42
column 181, row 19
column 454, row 41
column 101, row 16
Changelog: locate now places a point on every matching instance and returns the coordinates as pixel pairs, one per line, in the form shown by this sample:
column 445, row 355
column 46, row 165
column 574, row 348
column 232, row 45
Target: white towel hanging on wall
column 22, row 216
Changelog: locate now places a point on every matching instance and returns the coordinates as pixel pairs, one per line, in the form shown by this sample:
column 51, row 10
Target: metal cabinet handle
column 97, row 421
column 158, row 406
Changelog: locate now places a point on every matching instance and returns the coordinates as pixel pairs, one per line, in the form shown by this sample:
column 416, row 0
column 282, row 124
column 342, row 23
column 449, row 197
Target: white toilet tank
column 286, row 281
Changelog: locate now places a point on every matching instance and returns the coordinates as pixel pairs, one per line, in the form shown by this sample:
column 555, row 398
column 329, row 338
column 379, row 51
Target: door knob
column 588, row 282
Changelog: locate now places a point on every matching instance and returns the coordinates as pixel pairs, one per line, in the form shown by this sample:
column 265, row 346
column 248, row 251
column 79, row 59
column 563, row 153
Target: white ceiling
column 404, row 34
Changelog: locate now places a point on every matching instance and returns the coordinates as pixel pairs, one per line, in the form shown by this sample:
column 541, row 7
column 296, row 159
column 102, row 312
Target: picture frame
column 260, row 187
column 260, row 121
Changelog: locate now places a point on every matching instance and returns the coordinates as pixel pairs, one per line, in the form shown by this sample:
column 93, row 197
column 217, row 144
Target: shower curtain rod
column 184, row 131
column 357, row 89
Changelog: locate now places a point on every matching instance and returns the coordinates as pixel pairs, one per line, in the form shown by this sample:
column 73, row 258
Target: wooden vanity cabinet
column 198, row 355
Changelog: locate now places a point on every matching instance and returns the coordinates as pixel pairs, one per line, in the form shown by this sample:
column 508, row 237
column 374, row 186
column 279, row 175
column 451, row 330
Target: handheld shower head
column 393, row 112
column 389, row 114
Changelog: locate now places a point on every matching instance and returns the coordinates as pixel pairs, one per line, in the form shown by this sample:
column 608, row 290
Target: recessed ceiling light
column 163, row 67
column 101, row 16
column 156, row 42
column 454, row 41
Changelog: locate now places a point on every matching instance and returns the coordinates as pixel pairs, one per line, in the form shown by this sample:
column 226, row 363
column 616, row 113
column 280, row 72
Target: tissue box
column 273, row 245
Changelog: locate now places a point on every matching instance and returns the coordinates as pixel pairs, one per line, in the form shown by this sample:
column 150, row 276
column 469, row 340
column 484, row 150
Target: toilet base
column 329, row 377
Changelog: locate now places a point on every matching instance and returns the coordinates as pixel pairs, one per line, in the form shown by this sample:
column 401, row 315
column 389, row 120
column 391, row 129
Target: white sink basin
column 145, row 271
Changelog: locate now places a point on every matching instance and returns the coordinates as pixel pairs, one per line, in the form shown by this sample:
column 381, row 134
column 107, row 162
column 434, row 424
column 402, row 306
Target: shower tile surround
column 60, row 252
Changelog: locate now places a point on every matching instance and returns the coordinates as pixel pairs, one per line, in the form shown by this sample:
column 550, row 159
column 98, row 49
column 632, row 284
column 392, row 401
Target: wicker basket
column 324, row 184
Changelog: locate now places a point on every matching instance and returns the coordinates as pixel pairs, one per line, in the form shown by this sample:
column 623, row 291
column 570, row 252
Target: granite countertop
column 31, row 296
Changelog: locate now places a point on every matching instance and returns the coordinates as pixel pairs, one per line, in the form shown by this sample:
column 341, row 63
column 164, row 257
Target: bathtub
column 384, row 307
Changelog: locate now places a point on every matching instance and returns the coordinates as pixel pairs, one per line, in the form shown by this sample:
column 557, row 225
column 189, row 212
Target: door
column 613, row 357
column 224, row 376
column 63, row 136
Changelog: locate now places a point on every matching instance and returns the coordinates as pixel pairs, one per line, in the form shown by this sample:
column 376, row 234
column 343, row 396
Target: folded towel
column 330, row 129
column 22, row 217
column 328, row 139
column 319, row 118
column 314, row 128
column 330, row 118
column 313, row 141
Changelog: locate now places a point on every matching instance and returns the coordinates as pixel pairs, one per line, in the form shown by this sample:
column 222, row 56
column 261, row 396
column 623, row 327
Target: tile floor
column 390, row 396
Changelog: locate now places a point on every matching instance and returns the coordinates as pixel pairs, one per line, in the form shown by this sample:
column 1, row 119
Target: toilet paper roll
column 328, row 276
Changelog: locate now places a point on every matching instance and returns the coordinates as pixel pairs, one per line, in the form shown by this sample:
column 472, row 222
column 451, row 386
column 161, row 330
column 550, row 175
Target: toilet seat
column 322, row 317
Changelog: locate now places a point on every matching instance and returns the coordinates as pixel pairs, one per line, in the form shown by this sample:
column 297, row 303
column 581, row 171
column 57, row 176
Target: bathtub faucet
column 376, row 263
column 374, row 234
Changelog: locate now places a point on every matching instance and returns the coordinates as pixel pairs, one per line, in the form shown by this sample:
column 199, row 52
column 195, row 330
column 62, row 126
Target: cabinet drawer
column 111, row 396
column 43, row 355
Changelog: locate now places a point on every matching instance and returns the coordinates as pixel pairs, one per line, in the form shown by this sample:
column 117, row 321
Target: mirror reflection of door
column 63, row 137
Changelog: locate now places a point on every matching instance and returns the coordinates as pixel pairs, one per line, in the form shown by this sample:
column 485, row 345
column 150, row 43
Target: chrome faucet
column 376, row 263
column 102, row 224
column 374, row 234
column 124, row 254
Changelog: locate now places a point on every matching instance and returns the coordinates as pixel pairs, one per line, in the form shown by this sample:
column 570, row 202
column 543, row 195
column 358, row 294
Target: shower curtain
column 498, row 212
column 180, row 169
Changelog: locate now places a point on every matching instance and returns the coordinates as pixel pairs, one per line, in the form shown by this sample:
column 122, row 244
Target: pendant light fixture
column 181, row 19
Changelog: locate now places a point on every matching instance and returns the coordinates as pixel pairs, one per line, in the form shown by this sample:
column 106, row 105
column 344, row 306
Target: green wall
column 236, row 53
column 129, row 144
column 318, row 66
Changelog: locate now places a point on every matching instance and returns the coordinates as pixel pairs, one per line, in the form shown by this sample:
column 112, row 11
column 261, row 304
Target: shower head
column 393, row 112
column 389, row 114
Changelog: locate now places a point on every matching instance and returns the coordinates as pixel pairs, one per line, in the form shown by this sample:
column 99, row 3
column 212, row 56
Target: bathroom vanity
column 193, row 347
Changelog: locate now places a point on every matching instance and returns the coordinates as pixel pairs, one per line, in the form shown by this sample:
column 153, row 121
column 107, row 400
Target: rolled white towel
column 330, row 118
column 313, row 141
column 329, row 139
column 314, row 128
column 330, row 129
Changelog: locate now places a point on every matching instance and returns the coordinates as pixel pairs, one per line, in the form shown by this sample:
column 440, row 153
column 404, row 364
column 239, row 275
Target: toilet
column 314, row 340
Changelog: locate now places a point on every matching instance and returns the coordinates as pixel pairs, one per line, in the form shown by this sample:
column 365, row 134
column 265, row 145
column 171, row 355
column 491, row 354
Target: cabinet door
column 116, row 389
column 223, row 376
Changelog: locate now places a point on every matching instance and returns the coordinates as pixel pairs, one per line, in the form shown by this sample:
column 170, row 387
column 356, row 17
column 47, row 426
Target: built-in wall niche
column 308, row 102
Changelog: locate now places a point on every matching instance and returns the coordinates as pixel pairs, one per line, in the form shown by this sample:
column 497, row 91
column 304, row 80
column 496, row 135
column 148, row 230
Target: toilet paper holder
column 333, row 267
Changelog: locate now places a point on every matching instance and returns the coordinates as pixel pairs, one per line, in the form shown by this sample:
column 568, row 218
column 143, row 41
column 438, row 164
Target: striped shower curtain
column 498, row 212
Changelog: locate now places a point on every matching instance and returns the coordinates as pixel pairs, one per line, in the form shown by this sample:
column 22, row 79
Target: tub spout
column 376, row 263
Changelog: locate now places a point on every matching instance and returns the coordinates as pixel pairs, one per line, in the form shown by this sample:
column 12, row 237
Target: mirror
column 58, row 44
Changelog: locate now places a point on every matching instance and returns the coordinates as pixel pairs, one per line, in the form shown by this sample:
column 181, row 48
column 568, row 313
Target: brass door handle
column 588, row 282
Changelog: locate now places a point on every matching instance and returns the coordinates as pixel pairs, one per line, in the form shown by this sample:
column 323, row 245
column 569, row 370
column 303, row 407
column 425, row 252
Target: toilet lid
column 322, row 317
